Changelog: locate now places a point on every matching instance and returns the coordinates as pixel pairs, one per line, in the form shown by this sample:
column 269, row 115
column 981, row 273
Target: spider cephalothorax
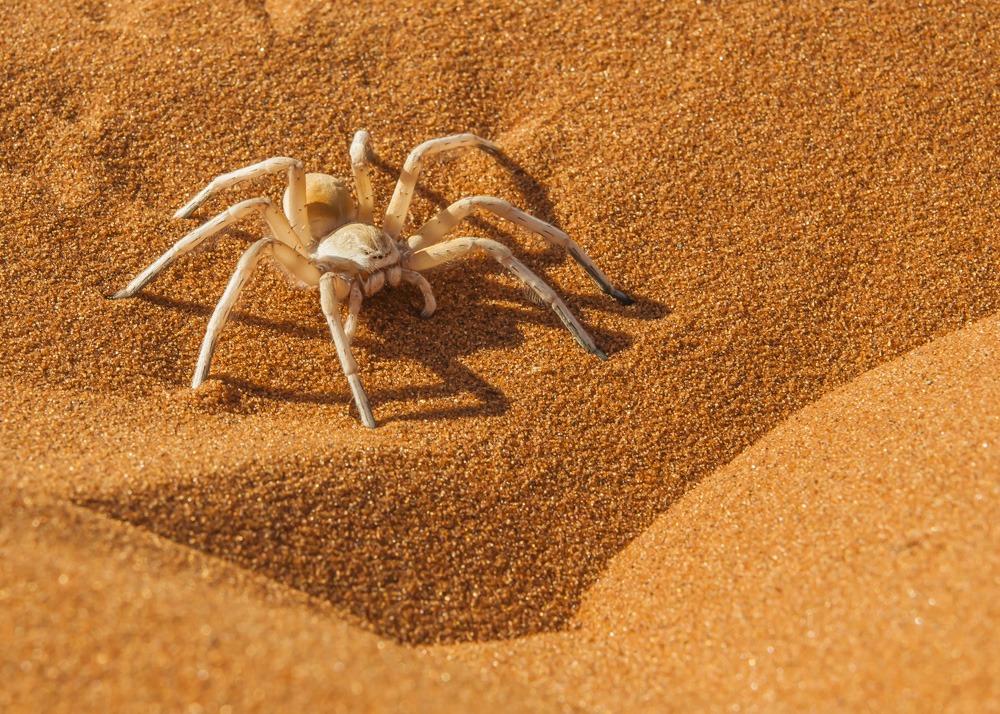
column 325, row 239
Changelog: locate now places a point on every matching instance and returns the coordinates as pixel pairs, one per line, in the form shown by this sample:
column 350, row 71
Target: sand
column 777, row 494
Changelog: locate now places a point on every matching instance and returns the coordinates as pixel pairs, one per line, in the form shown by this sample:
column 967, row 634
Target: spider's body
column 325, row 239
column 357, row 248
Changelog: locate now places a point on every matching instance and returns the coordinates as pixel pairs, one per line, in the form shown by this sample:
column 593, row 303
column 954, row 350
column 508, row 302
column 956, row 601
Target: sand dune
column 847, row 560
column 795, row 197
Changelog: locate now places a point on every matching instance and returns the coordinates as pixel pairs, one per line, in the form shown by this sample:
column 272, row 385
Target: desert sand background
column 779, row 494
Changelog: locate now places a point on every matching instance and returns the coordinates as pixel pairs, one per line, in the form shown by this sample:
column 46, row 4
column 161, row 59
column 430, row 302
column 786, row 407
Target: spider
column 324, row 238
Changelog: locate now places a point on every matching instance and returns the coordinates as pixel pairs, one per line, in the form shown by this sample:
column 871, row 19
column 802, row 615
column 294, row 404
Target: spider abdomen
column 329, row 204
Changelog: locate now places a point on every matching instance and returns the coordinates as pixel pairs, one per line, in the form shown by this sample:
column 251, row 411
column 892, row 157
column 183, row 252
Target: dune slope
column 848, row 560
column 794, row 196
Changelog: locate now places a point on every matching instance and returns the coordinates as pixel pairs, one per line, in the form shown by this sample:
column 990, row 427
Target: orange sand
column 753, row 503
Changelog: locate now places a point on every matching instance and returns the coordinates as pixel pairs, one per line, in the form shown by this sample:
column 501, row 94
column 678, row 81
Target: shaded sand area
column 847, row 560
column 757, row 501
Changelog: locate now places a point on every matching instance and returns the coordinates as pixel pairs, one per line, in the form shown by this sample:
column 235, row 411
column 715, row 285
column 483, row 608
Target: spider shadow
column 453, row 377
column 391, row 330
column 440, row 342
column 285, row 327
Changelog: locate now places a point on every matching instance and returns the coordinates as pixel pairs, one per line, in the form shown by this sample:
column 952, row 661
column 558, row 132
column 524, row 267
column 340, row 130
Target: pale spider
column 323, row 238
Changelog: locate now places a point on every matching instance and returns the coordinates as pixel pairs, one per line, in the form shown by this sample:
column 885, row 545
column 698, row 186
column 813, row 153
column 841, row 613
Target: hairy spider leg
column 436, row 228
column 244, row 269
column 395, row 215
column 361, row 157
column 415, row 278
column 459, row 247
column 296, row 208
column 375, row 283
column 331, row 308
column 289, row 251
column 353, row 308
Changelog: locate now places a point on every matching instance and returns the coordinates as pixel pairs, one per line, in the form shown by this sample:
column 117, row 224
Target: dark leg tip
column 622, row 297
column 118, row 295
column 600, row 354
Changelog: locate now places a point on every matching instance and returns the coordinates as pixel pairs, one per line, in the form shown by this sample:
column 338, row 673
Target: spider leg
column 295, row 204
column 395, row 215
column 353, row 307
column 415, row 278
column 220, row 317
column 459, row 247
column 288, row 251
column 331, row 308
column 361, row 155
column 436, row 228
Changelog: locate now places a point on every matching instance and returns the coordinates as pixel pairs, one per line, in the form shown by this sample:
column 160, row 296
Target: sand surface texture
column 779, row 493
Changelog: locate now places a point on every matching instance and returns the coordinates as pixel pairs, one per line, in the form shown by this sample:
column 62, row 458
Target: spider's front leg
column 331, row 309
column 353, row 308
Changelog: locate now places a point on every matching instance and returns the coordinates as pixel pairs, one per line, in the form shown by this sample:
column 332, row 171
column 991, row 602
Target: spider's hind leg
column 399, row 204
column 295, row 203
column 436, row 228
column 361, row 157
column 459, row 247
column 188, row 243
